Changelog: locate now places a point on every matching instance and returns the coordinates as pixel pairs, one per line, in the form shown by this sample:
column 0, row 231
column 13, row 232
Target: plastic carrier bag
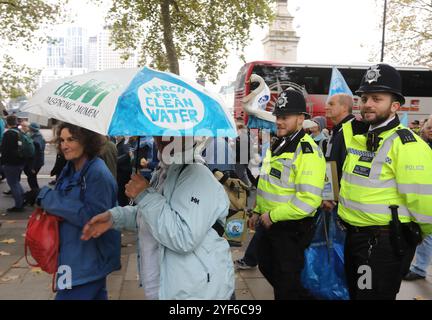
column 323, row 273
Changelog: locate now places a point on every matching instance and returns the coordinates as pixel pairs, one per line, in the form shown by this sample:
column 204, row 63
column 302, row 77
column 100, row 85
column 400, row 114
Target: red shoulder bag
column 42, row 239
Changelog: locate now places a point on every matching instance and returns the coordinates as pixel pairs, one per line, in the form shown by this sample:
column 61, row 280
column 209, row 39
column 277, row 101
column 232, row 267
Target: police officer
column 388, row 169
column 289, row 192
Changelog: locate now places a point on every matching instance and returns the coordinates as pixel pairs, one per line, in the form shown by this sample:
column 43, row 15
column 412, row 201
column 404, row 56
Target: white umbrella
column 134, row 102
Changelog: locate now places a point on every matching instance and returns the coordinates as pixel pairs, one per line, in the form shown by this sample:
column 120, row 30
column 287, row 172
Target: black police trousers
column 373, row 269
column 281, row 256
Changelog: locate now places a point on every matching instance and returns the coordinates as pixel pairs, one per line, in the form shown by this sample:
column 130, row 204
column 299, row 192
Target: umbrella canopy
column 134, row 102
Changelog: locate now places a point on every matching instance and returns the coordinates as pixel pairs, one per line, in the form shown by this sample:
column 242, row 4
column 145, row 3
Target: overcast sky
column 330, row 31
column 338, row 31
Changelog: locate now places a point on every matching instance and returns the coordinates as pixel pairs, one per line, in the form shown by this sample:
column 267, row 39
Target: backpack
column 42, row 239
column 236, row 190
column 26, row 148
column 236, row 223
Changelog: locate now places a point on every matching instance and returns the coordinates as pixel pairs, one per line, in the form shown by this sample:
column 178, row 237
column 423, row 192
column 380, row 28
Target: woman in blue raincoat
column 179, row 209
column 84, row 188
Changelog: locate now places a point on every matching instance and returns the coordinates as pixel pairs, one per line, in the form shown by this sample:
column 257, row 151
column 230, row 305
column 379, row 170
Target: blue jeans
column 95, row 290
column 13, row 176
column 423, row 257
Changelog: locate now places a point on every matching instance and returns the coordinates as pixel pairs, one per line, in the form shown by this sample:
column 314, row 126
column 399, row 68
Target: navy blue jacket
column 338, row 151
column 39, row 143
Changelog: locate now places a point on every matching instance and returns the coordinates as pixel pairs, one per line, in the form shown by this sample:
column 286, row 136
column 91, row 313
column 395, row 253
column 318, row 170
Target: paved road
column 19, row 281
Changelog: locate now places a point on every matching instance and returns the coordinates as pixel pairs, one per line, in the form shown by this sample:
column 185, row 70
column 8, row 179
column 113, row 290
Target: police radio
column 396, row 233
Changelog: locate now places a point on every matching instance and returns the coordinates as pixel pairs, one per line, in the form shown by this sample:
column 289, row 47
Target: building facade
column 280, row 44
column 72, row 52
column 102, row 55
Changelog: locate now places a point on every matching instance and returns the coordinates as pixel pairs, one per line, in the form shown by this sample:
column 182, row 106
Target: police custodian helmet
column 382, row 78
column 290, row 101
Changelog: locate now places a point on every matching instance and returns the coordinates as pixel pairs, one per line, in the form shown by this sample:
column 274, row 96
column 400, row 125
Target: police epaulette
column 306, row 147
column 406, row 136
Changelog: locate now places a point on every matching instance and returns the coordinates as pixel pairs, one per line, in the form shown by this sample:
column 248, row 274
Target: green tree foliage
column 409, row 32
column 21, row 19
column 13, row 74
column 20, row 24
column 15, row 80
column 203, row 31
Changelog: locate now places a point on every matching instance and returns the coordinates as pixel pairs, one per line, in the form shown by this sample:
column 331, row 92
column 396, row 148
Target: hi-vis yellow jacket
column 398, row 173
column 290, row 184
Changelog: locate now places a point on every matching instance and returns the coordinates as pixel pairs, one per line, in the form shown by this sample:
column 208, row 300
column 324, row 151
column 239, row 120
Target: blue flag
column 404, row 119
column 338, row 84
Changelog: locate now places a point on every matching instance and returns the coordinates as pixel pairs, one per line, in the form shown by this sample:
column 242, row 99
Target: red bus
column 314, row 80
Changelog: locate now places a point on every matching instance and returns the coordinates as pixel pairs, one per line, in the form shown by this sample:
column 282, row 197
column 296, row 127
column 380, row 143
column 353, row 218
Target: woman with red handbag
column 84, row 188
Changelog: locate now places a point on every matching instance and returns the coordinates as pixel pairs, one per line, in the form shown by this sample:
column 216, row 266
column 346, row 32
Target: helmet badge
column 373, row 74
column 282, row 101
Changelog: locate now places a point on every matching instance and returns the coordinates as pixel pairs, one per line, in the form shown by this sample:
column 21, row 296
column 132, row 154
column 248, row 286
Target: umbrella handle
column 136, row 155
column 131, row 201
